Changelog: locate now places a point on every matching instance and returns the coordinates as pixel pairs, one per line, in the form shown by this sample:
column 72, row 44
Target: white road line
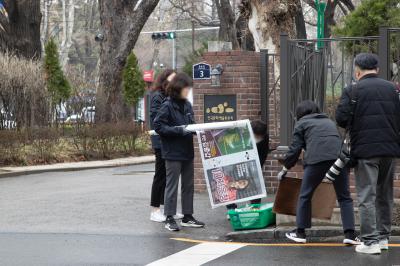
column 198, row 255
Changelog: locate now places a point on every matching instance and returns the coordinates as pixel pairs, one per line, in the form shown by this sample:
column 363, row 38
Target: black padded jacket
column 375, row 127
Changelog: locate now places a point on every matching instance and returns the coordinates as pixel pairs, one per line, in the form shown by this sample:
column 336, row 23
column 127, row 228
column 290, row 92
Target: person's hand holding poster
column 231, row 165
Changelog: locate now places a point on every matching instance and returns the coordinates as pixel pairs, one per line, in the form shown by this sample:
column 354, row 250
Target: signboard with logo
column 231, row 165
column 148, row 75
column 219, row 108
column 201, row 71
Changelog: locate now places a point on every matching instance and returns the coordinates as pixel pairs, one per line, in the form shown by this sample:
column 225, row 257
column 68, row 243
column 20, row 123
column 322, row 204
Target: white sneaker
column 372, row 249
column 178, row 216
column 384, row 244
column 157, row 216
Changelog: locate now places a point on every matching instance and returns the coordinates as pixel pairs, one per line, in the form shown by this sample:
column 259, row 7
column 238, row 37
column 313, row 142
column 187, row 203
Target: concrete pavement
column 101, row 217
column 98, row 201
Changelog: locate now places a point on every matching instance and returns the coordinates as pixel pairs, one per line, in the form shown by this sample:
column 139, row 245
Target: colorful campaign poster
column 231, row 165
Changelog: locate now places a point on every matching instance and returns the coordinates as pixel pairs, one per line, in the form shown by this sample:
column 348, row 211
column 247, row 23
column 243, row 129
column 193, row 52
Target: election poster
column 231, row 165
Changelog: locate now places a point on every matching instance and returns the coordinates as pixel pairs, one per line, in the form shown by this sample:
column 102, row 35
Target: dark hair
column 259, row 127
column 306, row 107
column 367, row 61
column 179, row 82
column 162, row 80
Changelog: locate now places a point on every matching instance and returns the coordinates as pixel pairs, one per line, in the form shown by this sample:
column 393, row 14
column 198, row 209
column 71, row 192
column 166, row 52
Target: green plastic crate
column 255, row 216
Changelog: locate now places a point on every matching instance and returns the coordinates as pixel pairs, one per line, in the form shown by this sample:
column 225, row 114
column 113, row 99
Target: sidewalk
column 73, row 166
column 317, row 233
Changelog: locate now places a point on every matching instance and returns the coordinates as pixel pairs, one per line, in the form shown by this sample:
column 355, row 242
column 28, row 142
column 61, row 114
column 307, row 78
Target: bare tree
column 68, row 22
column 227, row 27
column 121, row 24
column 344, row 5
column 268, row 19
column 203, row 13
column 20, row 29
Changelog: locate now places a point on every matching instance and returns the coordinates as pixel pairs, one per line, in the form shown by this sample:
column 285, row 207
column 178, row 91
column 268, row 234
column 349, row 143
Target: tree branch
column 310, row 3
column 311, row 23
column 193, row 16
column 349, row 4
column 344, row 10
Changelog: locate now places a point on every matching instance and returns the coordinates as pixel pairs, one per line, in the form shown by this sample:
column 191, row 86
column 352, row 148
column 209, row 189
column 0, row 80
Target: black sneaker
column 171, row 225
column 298, row 237
column 350, row 238
column 189, row 221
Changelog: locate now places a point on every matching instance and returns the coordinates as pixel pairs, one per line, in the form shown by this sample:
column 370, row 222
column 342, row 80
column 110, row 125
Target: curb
column 278, row 233
column 69, row 167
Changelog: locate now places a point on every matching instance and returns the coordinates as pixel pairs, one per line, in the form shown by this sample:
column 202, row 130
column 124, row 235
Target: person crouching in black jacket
column 177, row 149
column 319, row 137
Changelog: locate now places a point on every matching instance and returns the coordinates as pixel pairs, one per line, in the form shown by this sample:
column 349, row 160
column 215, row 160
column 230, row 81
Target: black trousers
column 158, row 187
column 313, row 176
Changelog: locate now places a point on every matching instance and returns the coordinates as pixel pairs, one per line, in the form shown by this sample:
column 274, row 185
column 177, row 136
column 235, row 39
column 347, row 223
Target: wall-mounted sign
column 201, row 71
column 218, row 108
column 148, row 75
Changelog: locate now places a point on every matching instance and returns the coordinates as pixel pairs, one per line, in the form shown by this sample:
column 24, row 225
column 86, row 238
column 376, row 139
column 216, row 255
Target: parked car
column 87, row 115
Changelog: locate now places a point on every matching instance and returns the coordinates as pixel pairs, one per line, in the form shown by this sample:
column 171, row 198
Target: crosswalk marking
column 198, row 255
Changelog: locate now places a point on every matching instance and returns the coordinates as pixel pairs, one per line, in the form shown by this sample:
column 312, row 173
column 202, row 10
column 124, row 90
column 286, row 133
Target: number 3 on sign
column 201, row 71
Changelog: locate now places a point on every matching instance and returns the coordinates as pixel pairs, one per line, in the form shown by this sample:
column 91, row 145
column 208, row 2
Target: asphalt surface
column 101, row 217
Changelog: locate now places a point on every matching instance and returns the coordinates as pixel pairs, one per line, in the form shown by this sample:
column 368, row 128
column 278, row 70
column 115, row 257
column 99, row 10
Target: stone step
column 336, row 220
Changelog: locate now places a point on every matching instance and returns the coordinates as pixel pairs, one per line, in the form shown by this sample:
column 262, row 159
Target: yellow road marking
column 272, row 244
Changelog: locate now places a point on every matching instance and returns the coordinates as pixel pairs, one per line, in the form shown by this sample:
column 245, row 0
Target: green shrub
column 57, row 83
column 133, row 83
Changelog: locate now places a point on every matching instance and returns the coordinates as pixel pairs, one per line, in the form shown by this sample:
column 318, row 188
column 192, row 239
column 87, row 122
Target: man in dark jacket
column 370, row 109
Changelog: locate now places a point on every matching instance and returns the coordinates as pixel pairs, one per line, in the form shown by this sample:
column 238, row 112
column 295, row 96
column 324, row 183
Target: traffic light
column 163, row 35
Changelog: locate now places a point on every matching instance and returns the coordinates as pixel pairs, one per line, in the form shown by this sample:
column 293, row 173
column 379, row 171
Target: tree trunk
column 329, row 20
column 68, row 9
column 121, row 23
column 301, row 31
column 244, row 36
column 227, row 30
column 268, row 19
column 21, row 33
column 44, row 32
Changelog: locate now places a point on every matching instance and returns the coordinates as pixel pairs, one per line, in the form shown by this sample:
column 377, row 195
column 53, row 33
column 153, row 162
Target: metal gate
column 320, row 74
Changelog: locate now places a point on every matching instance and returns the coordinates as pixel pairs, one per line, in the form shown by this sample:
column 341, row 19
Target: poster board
column 231, row 164
column 323, row 201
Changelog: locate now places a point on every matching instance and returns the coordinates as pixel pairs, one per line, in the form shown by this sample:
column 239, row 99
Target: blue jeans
column 313, row 176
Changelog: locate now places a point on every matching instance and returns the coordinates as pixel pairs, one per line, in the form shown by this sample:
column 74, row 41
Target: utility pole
column 174, row 53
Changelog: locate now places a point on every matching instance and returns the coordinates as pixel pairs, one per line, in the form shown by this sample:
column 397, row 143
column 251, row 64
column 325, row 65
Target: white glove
column 282, row 173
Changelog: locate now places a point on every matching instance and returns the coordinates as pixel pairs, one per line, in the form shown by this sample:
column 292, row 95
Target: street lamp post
column 321, row 7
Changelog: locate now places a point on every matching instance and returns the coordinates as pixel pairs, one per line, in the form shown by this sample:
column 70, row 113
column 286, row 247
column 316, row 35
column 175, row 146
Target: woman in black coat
column 177, row 149
column 158, row 187
column 318, row 136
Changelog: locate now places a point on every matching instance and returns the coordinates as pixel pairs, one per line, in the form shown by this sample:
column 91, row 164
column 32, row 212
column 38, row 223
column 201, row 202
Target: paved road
column 100, row 217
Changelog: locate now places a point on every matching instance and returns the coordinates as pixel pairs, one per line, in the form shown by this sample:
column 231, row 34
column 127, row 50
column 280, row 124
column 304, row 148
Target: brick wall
column 242, row 77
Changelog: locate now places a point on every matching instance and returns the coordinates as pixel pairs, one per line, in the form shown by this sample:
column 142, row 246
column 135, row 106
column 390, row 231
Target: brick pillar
column 241, row 77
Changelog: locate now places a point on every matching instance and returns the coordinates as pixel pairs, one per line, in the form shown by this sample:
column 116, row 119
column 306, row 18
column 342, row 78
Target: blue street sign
column 201, row 71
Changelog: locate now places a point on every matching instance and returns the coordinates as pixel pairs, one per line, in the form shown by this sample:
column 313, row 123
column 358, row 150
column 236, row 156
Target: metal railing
column 320, row 73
